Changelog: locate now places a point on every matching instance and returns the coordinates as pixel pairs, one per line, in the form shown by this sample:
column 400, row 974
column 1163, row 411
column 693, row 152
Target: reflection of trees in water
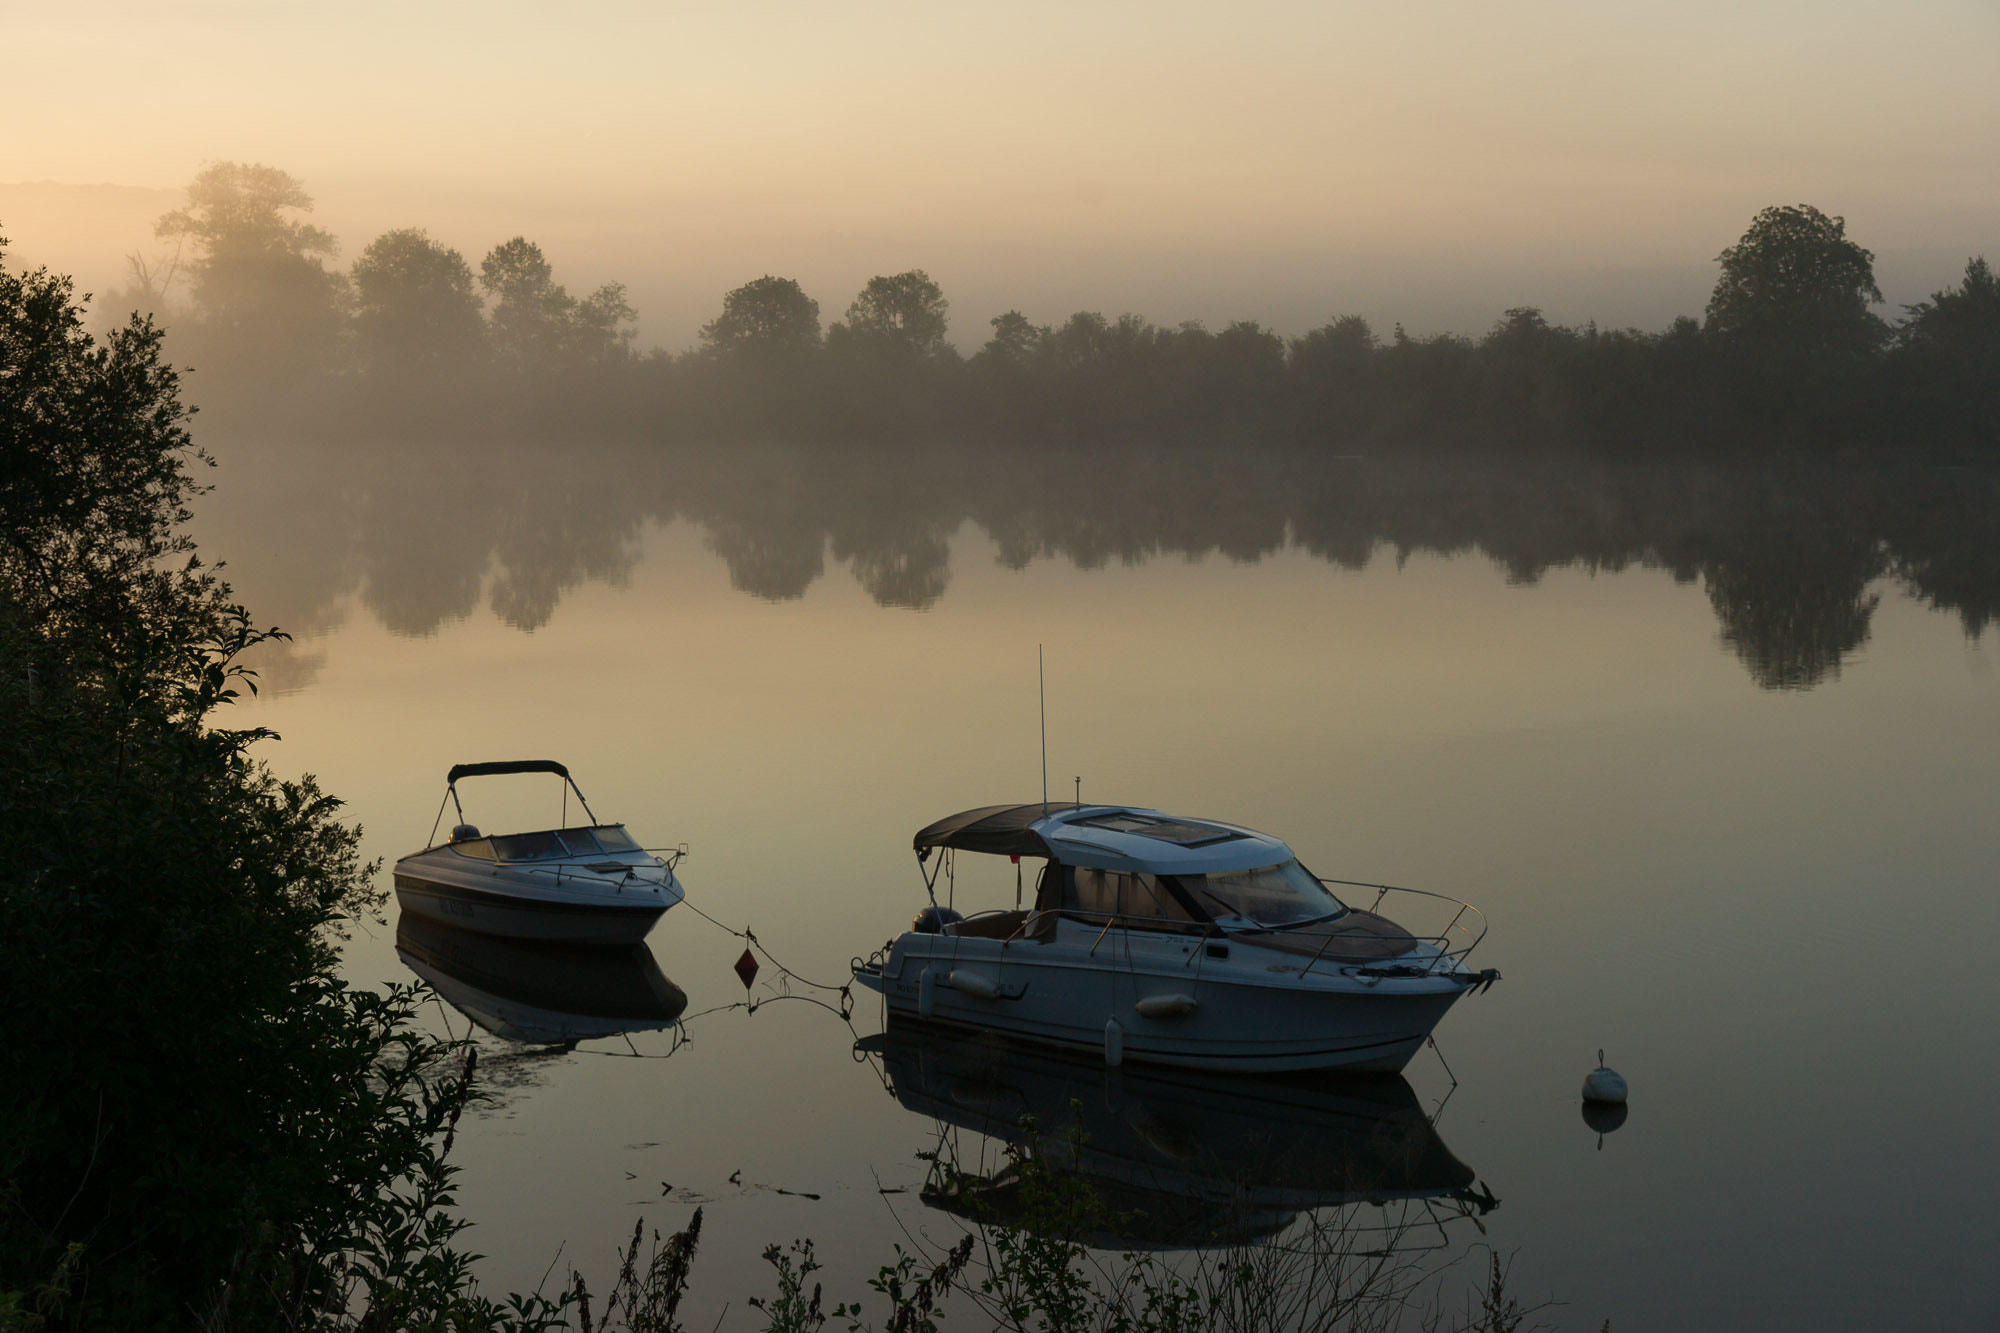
column 1790, row 555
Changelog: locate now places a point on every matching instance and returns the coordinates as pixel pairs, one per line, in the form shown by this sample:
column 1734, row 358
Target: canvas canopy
column 506, row 766
column 999, row 830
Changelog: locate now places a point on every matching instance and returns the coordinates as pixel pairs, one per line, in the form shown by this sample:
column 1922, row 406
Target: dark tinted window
column 581, row 842
column 1116, row 893
column 529, row 847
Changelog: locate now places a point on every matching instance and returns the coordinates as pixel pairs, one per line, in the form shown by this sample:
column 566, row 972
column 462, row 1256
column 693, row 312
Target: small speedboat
column 585, row 884
column 1173, row 941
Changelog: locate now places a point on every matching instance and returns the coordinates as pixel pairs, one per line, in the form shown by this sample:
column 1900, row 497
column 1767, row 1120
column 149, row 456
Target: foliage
column 900, row 315
column 768, row 320
column 1795, row 282
column 415, row 309
column 170, row 915
column 264, row 300
column 1788, row 355
column 537, row 324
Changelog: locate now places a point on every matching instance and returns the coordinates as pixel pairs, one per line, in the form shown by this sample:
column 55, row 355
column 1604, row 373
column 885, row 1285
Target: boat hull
column 519, row 917
column 1254, row 1013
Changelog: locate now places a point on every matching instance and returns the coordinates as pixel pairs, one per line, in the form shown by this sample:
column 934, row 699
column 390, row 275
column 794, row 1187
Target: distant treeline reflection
column 411, row 338
column 1792, row 556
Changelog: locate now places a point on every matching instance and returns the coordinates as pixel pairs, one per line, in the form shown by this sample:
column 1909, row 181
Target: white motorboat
column 1173, row 941
column 583, row 884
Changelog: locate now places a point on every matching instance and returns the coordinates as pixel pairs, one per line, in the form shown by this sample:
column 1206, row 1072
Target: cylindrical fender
column 926, row 993
column 1175, row 1005
column 973, row 984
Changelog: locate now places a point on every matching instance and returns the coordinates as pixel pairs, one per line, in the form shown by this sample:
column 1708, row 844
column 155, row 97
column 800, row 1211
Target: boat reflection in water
column 536, row 992
column 1177, row 1159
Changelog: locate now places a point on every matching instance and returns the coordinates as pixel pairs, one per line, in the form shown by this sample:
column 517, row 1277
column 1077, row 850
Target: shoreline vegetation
column 410, row 340
column 203, row 1127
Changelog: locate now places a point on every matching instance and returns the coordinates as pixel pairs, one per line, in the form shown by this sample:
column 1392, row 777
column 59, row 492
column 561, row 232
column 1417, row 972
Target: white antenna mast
column 1042, row 696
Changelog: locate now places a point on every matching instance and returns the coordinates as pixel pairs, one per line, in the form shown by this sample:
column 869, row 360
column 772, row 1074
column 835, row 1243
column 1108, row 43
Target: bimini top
column 1105, row 837
column 506, row 766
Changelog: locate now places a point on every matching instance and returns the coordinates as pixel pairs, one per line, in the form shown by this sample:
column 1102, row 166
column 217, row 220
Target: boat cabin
column 1143, row 869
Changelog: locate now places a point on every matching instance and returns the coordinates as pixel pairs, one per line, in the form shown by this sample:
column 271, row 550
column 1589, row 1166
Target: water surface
column 1714, row 748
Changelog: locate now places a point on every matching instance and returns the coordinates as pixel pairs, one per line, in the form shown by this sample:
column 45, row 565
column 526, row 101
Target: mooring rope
column 846, row 993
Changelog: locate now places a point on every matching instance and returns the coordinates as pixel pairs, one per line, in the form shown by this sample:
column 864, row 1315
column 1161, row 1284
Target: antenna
column 1042, row 696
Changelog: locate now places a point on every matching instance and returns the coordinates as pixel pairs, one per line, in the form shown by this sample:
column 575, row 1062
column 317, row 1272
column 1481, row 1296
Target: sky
column 1431, row 162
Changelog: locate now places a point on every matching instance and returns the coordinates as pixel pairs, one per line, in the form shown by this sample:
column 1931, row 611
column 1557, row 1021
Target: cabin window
column 581, row 842
column 614, row 838
column 478, row 847
column 1137, row 897
column 1280, row 895
column 529, row 847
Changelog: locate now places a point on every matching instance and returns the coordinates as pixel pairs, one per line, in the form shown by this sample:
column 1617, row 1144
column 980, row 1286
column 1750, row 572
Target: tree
column 1796, row 287
column 262, row 295
column 537, row 324
column 414, row 305
column 901, row 314
column 1014, row 342
column 769, row 320
column 530, row 311
column 1961, row 319
column 1950, row 350
column 182, row 932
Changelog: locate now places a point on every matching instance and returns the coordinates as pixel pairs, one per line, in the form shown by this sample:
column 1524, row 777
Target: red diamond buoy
column 746, row 968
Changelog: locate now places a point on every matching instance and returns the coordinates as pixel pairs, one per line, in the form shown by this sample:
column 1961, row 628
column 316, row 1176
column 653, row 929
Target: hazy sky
column 1432, row 162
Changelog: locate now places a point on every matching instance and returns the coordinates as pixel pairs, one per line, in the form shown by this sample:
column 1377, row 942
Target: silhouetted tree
column 262, row 295
column 900, row 314
column 537, row 324
column 1333, row 375
column 1797, row 285
column 415, row 309
column 768, row 320
column 1950, row 354
column 1014, row 342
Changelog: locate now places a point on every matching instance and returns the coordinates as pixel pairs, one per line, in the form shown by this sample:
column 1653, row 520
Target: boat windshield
column 529, row 846
column 1270, row 896
column 615, row 838
column 564, row 842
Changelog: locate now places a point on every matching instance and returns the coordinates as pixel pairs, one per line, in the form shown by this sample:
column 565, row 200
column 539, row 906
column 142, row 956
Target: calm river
column 1716, row 750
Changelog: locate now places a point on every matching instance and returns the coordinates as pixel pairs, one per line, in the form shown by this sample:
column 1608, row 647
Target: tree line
column 1789, row 350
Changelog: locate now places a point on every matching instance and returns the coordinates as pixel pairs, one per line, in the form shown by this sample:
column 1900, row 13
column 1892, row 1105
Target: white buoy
column 926, row 994
column 1604, row 1085
column 1114, row 1044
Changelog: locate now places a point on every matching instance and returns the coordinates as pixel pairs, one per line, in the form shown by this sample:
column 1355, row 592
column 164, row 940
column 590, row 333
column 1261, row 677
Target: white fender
column 973, row 984
column 1114, row 1044
column 926, row 993
column 1175, row 1005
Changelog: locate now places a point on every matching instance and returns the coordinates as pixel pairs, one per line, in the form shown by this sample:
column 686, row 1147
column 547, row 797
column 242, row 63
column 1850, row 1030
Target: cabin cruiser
column 1172, row 941
column 537, row 993
column 1178, row 1158
column 583, row 884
